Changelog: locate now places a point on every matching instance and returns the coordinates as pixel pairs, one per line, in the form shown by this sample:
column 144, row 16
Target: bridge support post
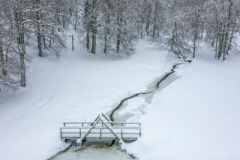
column 121, row 133
column 61, row 134
column 80, row 133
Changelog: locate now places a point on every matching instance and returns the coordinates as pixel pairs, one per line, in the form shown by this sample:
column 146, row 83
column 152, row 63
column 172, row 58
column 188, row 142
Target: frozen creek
column 122, row 112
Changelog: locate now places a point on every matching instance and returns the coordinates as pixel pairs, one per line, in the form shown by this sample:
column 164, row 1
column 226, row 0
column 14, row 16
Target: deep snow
column 76, row 87
column 196, row 117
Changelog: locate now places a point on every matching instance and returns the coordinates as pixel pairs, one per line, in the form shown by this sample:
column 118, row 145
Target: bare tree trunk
column 63, row 18
column 87, row 23
column 106, row 30
column 225, row 50
column 39, row 35
column 196, row 32
column 118, row 41
column 44, row 38
column 2, row 60
column 21, row 43
column 22, row 56
column 23, row 68
column 148, row 17
column 173, row 39
column 119, row 25
column 194, row 46
column 220, row 47
column 72, row 42
column 231, row 38
column 70, row 12
column 94, row 41
column 155, row 20
column 51, row 41
column 147, row 27
column 141, row 26
column 130, row 29
column 216, row 49
column 221, row 39
column 94, row 28
column 76, row 21
column 88, row 40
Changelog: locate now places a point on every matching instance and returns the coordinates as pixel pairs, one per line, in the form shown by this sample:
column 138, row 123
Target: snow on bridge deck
column 101, row 129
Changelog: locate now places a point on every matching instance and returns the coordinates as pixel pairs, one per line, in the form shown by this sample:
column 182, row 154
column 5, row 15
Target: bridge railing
column 111, row 123
column 75, row 130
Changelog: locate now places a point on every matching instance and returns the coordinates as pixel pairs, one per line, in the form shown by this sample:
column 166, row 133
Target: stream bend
column 165, row 76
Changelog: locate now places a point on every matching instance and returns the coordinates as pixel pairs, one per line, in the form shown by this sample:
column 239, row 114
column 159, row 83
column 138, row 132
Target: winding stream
column 157, row 85
column 122, row 112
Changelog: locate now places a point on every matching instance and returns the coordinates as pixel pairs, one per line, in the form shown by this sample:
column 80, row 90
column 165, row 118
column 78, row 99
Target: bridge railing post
column 121, row 133
column 140, row 130
column 80, row 133
column 61, row 134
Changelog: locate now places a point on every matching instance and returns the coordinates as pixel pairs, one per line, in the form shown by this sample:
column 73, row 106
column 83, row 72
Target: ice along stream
column 122, row 112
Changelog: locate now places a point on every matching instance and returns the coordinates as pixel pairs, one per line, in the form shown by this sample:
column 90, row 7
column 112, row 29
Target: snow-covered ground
column 197, row 117
column 76, row 87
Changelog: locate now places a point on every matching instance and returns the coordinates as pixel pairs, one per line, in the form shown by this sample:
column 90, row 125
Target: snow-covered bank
column 196, row 117
column 74, row 88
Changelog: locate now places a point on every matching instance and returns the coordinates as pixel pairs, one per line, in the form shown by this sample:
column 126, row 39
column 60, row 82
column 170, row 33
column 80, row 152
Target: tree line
column 111, row 27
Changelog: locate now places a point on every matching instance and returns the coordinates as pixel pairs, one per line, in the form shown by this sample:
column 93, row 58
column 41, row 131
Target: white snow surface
column 75, row 87
column 197, row 117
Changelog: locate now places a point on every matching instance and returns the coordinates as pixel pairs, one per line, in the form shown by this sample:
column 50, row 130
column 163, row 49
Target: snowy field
column 197, row 117
column 76, row 87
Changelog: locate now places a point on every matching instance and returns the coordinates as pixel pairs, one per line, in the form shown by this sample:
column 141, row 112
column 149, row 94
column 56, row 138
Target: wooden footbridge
column 101, row 129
